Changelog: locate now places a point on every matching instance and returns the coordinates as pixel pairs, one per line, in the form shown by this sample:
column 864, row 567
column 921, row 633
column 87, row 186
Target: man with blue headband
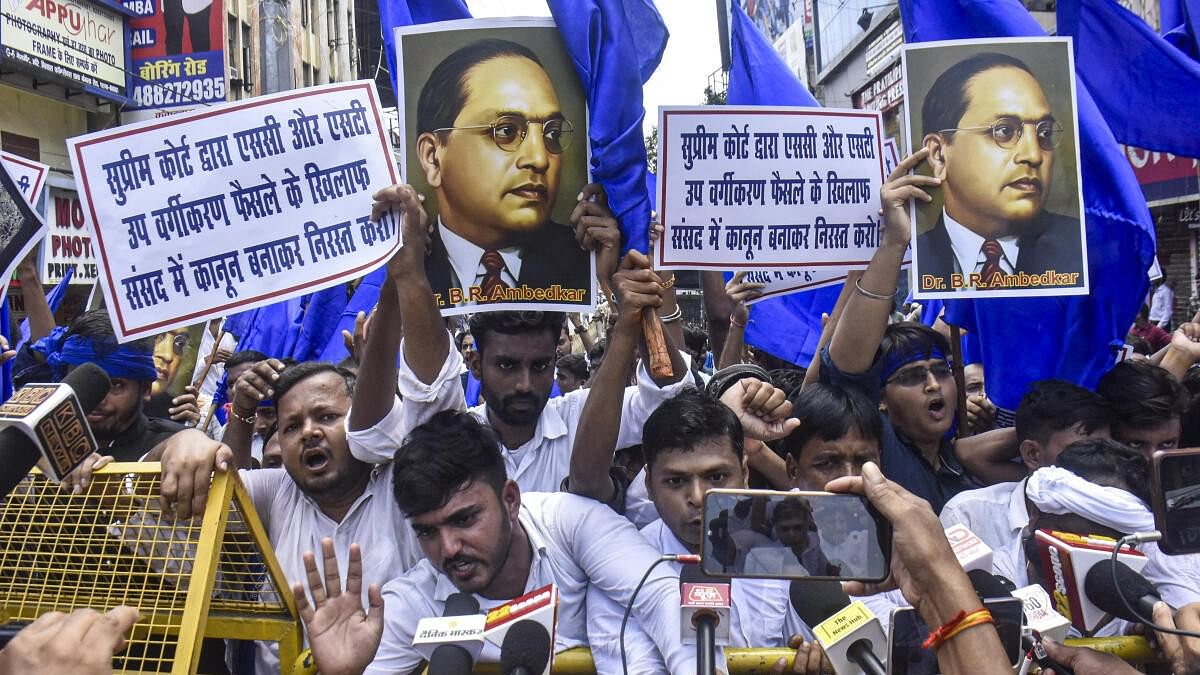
column 121, row 427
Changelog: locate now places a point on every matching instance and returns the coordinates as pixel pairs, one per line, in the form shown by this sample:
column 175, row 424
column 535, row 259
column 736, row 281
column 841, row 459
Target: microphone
column 704, row 604
column 1133, row 587
column 539, row 606
column 988, row 585
column 1064, row 560
column 1040, row 614
column 456, row 636
column 49, row 421
column 848, row 631
column 970, row 550
column 526, row 649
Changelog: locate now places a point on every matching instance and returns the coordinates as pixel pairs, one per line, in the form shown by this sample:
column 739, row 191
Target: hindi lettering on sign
column 144, row 290
column 687, row 237
column 847, row 190
column 275, row 256
column 746, row 238
column 695, row 192
column 800, row 145
column 714, row 233
column 698, row 145
column 737, row 142
column 766, row 146
column 787, row 237
column 127, row 174
column 243, row 179
column 833, row 143
column 862, row 146
column 868, row 234
column 330, row 242
column 814, row 188
column 193, row 67
column 214, row 153
column 306, row 130
column 214, row 270
column 261, row 141
column 349, row 122
column 255, row 201
column 789, row 191
column 830, row 235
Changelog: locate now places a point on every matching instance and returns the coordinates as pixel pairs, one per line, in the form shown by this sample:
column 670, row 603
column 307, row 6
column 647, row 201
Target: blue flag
column 1026, row 339
column 615, row 46
column 54, row 298
column 364, row 300
column 789, row 326
column 1181, row 25
column 395, row 13
column 1146, row 88
column 322, row 315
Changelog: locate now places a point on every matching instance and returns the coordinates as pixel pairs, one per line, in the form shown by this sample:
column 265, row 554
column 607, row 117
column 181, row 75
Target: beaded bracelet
column 244, row 420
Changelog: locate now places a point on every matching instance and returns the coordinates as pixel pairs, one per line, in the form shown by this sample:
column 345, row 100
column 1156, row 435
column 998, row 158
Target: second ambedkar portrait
column 998, row 119
column 496, row 140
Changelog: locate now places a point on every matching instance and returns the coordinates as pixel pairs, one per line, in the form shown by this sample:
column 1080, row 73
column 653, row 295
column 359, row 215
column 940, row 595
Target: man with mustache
column 490, row 140
column 991, row 137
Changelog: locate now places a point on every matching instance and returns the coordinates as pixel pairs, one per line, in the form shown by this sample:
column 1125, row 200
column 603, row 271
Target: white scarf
column 1053, row 489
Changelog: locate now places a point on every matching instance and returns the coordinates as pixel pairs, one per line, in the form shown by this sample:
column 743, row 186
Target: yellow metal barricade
column 210, row 577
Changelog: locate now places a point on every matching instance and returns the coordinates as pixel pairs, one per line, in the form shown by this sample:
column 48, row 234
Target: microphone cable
column 1138, row 538
column 686, row 558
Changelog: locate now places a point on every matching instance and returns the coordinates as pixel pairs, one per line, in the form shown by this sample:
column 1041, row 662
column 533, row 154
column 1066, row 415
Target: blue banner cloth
column 788, row 327
column 616, row 46
column 1026, row 339
column 1147, row 89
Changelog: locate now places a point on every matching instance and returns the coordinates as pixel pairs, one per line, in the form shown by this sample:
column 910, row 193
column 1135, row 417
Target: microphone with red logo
column 456, row 636
column 49, row 422
column 705, row 605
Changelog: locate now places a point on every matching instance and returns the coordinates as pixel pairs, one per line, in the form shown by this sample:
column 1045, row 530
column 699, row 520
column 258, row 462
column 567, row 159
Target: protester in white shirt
column 322, row 492
column 1096, row 487
column 513, row 361
column 1162, row 304
column 481, row 535
column 693, row 443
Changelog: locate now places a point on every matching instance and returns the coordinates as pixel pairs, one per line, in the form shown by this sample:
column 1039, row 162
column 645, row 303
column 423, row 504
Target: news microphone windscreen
column 450, row 660
column 90, row 384
column 693, row 574
column 816, row 601
column 461, row 604
column 988, row 585
column 1098, row 584
column 526, row 645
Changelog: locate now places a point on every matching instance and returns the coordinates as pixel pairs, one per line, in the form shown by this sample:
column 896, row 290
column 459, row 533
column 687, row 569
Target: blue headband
column 124, row 361
column 897, row 359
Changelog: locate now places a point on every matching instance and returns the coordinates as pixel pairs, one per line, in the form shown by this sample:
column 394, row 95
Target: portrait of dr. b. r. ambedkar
column 992, row 138
column 490, row 143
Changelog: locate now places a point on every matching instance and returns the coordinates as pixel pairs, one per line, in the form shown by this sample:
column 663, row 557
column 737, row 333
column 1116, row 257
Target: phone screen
column 794, row 535
column 906, row 656
column 1176, row 487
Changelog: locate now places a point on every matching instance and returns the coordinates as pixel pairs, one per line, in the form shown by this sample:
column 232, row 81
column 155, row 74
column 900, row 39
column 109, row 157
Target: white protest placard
column 755, row 187
column 891, row 157
column 783, row 281
column 29, row 176
column 21, row 226
column 236, row 206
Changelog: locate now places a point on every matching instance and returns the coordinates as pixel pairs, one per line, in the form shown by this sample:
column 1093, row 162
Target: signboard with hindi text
column 29, row 176
column 768, row 188
column 79, row 41
column 178, row 56
column 219, row 210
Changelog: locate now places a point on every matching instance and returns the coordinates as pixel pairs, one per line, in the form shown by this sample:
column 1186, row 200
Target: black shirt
column 140, row 437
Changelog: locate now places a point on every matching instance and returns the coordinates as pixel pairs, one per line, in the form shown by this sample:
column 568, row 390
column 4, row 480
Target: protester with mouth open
column 904, row 367
column 321, row 492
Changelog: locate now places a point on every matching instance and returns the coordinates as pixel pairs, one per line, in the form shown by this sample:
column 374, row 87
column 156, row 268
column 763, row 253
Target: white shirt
column 578, row 544
column 466, row 259
column 1162, row 305
column 295, row 524
column 759, row 618
column 997, row 514
column 541, row 463
column 968, row 248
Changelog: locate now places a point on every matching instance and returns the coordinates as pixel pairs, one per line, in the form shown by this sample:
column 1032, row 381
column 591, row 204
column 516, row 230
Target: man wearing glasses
column 991, row 137
column 490, row 141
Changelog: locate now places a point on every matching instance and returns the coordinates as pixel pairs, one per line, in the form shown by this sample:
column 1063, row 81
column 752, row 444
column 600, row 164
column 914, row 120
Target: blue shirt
column 901, row 460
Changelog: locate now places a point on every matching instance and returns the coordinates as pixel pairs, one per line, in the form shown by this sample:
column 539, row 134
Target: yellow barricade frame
column 210, row 577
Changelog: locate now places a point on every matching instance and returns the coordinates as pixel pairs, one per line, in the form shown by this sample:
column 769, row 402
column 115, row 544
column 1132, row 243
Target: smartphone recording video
column 1175, row 498
column 794, row 535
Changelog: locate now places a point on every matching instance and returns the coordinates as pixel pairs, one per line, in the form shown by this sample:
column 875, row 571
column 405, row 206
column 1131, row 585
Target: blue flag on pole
column 1027, row 339
column 789, row 326
column 365, row 298
column 1146, row 88
column 322, row 315
column 54, row 298
column 395, row 13
column 615, row 46
column 1181, row 25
